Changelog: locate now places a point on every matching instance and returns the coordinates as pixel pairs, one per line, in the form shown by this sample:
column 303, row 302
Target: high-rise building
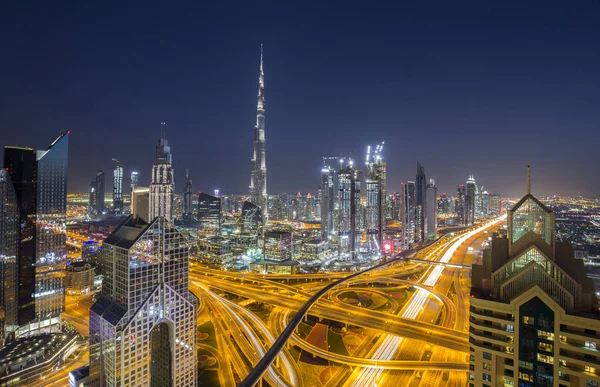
column 188, row 193
column 349, row 209
column 117, row 187
column 484, row 203
column 494, row 204
column 251, row 219
column 209, row 214
column 396, row 204
column 134, row 179
column 375, row 181
column 534, row 313
column 9, row 243
column 100, row 192
column 39, row 179
column 431, row 207
column 420, row 203
column 258, row 178
column 140, row 203
column 93, row 198
column 407, row 213
column 459, row 206
column 143, row 325
column 470, row 199
column 162, row 186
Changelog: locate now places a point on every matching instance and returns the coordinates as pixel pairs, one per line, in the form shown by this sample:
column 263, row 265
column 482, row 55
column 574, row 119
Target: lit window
column 546, row 335
column 545, row 358
column 545, row 347
column 510, row 328
column 487, row 366
column 528, row 320
column 487, row 377
column 590, row 345
column 589, row 369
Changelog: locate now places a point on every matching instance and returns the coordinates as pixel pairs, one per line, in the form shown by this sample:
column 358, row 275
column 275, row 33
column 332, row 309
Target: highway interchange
column 418, row 341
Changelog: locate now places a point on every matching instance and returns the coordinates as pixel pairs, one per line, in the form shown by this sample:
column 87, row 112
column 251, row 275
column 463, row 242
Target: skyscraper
column 459, row 206
column 328, row 193
column 100, row 192
column 134, row 179
column 162, row 184
column 140, row 202
column 117, row 187
column 209, row 214
column 470, row 198
column 407, row 213
column 349, row 209
column 431, row 206
column 9, row 243
column 375, row 181
column 93, row 197
column 39, row 179
column 420, row 203
column 143, row 325
column 494, row 204
column 188, row 193
column 258, row 178
column 533, row 311
column 251, row 219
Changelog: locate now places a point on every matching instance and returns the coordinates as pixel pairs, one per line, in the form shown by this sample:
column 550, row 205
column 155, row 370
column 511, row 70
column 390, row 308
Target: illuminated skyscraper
column 407, row 213
column 100, row 192
column 9, row 243
column 494, row 204
column 188, row 193
column 117, row 187
column 40, row 182
column 143, row 325
column 328, row 194
column 420, row 203
column 459, row 206
column 431, row 206
column 258, row 178
column 134, row 179
column 349, row 206
column 140, row 202
column 251, row 219
column 533, row 311
column 93, row 197
column 484, row 203
column 162, row 184
column 375, row 181
column 209, row 214
column 470, row 198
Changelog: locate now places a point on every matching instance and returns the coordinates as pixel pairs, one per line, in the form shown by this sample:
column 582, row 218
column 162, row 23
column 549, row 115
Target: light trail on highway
column 387, row 350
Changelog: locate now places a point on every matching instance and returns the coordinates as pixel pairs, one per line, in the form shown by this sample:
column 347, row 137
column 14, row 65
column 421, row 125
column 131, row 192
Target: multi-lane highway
column 421, row 340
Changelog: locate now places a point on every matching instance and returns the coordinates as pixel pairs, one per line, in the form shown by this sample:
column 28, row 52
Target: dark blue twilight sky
column 464, row 87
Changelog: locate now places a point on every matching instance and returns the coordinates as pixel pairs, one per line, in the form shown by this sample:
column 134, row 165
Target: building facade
column 460, row 205
column 420, row 203
column 470, row 200
column 258, row 177
column 162, row 186
column 407, row 213
column 209, row 214
column 188, row 194
column 79, row 278
column 140, row 202
column 117, row 187
column 100, row 192
column 349, row 210
column 39, row 179
column 431, row 206
column 9, row 243
column 328, row 194
column 534, row 313
column 143, row 326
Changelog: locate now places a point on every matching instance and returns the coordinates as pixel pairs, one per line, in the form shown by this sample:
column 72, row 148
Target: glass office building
column 143, row 326
column 40, row 182
column 9, row 216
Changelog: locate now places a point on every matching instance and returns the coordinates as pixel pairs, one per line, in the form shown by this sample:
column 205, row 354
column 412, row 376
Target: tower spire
column 528, row 180
column 261, row 58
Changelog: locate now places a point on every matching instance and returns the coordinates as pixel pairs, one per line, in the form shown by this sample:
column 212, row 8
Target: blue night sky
column 463, row 87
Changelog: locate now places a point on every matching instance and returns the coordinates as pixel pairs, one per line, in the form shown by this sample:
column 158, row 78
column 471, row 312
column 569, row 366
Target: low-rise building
column 79, row 278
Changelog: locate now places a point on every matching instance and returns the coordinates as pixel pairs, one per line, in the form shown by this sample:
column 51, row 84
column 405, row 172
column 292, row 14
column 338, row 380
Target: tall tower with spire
column 258, row 177
column 162, row 183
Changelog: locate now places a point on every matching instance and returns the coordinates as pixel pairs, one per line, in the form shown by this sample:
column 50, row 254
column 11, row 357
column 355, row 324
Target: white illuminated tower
column 258, row 179
column 162, row 184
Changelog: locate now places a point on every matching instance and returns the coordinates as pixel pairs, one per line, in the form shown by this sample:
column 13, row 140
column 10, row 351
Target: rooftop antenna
column 261, row 57
column 528, row 180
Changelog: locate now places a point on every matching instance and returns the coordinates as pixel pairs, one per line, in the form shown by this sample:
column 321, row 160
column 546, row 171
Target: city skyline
column 414, row 78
